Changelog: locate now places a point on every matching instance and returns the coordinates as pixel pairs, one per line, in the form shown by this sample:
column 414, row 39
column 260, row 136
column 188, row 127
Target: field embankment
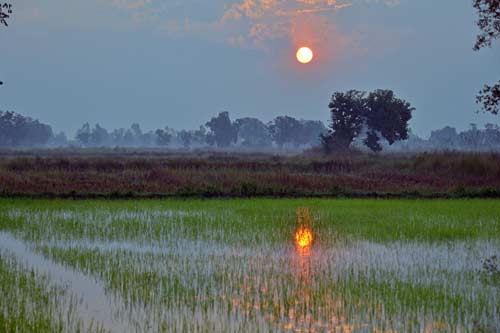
column 148, row 174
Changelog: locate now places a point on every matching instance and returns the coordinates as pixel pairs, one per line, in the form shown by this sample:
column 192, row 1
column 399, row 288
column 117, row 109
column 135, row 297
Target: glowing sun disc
column 305, row 55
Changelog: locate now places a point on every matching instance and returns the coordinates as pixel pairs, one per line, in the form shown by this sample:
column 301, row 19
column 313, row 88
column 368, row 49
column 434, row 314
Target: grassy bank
column 147, row 175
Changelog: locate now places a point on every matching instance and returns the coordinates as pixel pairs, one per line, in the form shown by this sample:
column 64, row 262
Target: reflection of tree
column 304, row 269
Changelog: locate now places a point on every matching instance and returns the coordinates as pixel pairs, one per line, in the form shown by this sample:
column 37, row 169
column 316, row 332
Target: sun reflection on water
column 304, row 235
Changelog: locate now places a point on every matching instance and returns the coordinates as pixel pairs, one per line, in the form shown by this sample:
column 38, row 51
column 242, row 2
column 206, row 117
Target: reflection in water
column 201, row 275
column 303, row 255
column 303, row 242
column 304, row 235
column 96, row 308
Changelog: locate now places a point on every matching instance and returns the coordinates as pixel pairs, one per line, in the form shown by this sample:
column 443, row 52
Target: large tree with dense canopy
column 489, row 24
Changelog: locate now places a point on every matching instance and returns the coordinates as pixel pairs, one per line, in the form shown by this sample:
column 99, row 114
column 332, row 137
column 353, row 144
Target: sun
column 304, row 55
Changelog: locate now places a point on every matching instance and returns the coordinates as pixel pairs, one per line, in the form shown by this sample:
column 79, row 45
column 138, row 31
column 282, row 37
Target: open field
column 234, row 265
column 135, row 174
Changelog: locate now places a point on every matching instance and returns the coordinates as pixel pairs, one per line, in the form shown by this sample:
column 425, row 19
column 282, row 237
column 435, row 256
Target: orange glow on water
column 304, row 237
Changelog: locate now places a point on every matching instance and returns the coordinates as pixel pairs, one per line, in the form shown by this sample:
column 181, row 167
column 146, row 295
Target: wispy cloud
column 261, row 21
column 250, row 22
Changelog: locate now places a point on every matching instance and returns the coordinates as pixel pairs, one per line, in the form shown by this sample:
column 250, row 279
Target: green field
column 234, row 266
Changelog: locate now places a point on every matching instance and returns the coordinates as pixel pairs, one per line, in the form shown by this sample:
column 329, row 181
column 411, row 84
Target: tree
column 471, row 138
column 20, row 131
column 58, row 140
column 380, row 115
column 489, row 24
column 5, row 12
column 253, row 132
column 310, row 132
column 447, row 137
column 84, row 134
column 223, row 132
column 285, row 129
column 492, row 135
column 98, row 136
column 186, row 138
column 163, row 137
column 200, row 136
column 347, row 112
column 387, row 118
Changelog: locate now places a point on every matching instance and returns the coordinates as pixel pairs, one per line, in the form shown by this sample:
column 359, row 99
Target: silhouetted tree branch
column 5, row 12
column 489, row 24
column 489, row 97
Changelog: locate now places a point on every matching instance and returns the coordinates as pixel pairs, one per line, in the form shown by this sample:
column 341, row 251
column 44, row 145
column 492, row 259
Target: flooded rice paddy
column 250, row 266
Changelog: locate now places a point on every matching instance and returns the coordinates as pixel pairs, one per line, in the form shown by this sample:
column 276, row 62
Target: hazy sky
column 176, row 63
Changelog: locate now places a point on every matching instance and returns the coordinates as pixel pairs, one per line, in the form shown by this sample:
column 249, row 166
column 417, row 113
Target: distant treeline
column 284, row 132
column 448, row 138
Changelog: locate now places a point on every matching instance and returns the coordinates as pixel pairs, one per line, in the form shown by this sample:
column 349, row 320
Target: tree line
column 358, row 120
column 283, row 132
column 220, row 131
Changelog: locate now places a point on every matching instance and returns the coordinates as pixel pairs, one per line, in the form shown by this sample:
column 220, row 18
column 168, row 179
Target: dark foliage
column 489, row 98
column 163, row 137
column 380, row 115
column 347, row 111
column 489, row 24
column 285, row 129
column 223, row 131
column 491, row 267
column 83, row 135
column 388, row 116
column 372, row 141
column 253, row 133
column 249, row 133
column 19, row 131
column 5, row 12
column 310, row 132
column 186, row 138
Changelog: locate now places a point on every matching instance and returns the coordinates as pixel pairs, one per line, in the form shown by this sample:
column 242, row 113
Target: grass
column 110, row 174
column 232, row 265
column 30, row 302
column 377, row 220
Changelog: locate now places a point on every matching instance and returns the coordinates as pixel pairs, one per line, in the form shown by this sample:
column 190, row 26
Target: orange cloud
column 255, row 22
column 301, row 21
